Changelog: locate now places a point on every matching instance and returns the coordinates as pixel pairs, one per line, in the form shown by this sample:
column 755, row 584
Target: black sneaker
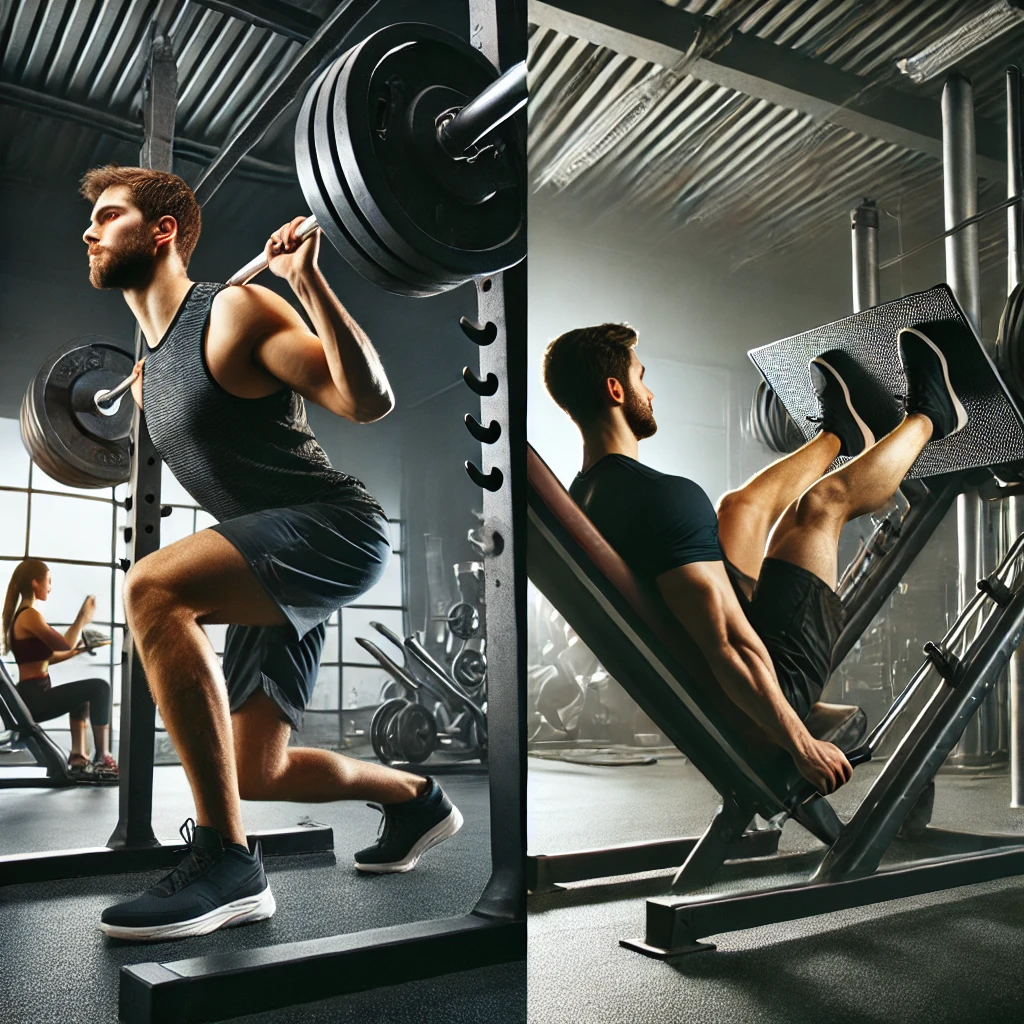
column 929, row 390
column 215, row 886
column 408, row 830
column 838, row 414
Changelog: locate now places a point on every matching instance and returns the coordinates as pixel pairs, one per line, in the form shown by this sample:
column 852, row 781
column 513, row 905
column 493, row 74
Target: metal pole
column 963, row 272
column 138, row 713
column 498, row 29
column 864, row 238
column 1015, row 505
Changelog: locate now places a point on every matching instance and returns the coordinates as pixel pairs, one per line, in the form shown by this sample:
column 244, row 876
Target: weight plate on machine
column 1010, row 341
column 463, row 620
column 379, row 728
column 445, row 217
column 1010, row 361
column 470, row 669
column 387, row 269
column 413, row 733
column 61, row 429
column 770, row 423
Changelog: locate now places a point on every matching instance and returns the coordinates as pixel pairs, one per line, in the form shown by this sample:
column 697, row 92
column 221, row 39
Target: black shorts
column 311, row 559
column 799, row 618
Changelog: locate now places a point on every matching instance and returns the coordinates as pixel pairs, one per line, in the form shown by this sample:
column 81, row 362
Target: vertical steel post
column 963, row 272
column 1015, row 505
column 138, row 713
column 498, row 29
column 864, row 240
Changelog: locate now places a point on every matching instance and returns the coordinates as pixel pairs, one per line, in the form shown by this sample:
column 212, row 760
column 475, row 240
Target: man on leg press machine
column 753, row 582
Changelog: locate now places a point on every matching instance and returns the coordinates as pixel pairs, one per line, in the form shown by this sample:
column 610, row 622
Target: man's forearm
column 355, row 367
column 751, row 685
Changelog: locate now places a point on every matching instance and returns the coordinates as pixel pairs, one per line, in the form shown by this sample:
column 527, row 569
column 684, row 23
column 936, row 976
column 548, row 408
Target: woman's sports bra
column 29, row 650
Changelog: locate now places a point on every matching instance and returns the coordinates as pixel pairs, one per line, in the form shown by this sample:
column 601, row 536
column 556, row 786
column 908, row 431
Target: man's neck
column 611, row 437
column 155, row 305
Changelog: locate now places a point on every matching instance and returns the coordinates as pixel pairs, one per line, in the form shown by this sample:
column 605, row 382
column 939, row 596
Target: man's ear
column 616, row 392
column 166, row 230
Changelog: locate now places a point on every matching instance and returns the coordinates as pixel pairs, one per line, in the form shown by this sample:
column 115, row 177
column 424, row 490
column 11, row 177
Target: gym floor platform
column 948, row 956
column 57, row 965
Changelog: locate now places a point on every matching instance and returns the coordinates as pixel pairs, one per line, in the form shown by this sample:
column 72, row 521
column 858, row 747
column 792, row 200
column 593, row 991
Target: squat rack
column 228, row 985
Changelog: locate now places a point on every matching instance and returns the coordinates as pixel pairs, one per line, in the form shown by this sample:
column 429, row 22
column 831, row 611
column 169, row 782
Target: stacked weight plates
column 402, row 212
column 770, row 423
column 62, row 431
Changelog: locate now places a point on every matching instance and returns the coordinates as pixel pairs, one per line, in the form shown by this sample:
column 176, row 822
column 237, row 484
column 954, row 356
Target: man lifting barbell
column 222, row 386
column 753, row 583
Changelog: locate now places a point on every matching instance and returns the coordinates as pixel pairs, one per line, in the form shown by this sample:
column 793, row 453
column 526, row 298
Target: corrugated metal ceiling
column 94, row 54
column 704, row 153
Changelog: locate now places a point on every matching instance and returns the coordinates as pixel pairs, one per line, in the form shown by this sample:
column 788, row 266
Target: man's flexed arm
column 338, row 368
column 701, row 597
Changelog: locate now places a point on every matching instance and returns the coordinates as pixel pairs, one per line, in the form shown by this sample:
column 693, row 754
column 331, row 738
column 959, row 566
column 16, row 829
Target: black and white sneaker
column 929, row 390
column 215, row 886
column 839, row 415
column 408, row 830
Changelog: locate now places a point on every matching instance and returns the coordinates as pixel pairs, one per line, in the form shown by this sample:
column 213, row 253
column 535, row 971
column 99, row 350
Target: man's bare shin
column 188, row 687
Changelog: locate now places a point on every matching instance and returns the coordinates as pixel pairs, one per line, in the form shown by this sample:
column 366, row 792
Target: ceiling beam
column 652, row 31
column 279, row 17
column 131, row 131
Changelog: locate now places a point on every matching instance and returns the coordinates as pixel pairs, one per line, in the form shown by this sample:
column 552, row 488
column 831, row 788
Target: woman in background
column 36, row 645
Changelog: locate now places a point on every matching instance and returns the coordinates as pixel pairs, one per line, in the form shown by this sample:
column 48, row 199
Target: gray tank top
column 233, row 455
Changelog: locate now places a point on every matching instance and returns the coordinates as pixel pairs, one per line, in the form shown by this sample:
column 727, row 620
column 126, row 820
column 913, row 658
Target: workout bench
column 17, row 718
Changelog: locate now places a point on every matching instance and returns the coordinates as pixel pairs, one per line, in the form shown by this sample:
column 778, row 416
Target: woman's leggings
column 81, row 700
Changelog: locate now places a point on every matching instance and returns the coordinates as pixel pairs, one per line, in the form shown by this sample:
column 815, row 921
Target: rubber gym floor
column 949, row 956
column 56, row 966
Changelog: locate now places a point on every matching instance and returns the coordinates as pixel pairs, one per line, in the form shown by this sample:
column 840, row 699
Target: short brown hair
column 157, row 194
column 577, row 364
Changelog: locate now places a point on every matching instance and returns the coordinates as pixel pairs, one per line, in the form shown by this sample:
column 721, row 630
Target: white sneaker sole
column 438, row 834
column 866, row 432
column 961, row 412
column 241, row 911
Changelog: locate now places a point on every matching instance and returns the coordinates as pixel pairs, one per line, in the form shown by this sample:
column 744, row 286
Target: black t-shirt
column 656, row 522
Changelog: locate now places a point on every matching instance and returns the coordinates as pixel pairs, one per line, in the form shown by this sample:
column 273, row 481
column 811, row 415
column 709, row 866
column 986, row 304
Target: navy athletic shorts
column 311, row 559
column 799, row 617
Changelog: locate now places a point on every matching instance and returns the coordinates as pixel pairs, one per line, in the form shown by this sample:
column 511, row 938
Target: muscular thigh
column 207, row 574
column 743, row 530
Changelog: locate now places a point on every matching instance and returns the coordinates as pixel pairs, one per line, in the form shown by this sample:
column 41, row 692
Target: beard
column 639, row 417
column 128, row 267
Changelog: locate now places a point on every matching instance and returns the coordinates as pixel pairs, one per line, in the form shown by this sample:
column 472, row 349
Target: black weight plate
column 469, row 669
column 390, row 273
column 313, row 189
column 463, row 620
column 68, row 452
column 379, row 724
column 414, row 733
column 423, row 222
column 310, row 174
column 1010, row 340
column 40, row 454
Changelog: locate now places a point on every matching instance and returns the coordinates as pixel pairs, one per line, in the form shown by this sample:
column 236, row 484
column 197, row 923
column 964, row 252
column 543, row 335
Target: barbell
column 409, row 158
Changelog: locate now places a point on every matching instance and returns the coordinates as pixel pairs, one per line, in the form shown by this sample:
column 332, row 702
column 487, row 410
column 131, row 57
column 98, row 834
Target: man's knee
column 149, row 597
column 827, row 500
column 741, row 507
column 257, row 779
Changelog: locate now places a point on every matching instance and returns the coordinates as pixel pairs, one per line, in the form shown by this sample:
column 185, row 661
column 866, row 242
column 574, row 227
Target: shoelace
column 815, row 419
column 384, row 828
column 194, row 864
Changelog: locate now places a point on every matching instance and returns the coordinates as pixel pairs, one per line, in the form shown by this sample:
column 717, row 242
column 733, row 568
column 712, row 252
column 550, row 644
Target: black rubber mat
column 56, row 964
column 995, row 430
